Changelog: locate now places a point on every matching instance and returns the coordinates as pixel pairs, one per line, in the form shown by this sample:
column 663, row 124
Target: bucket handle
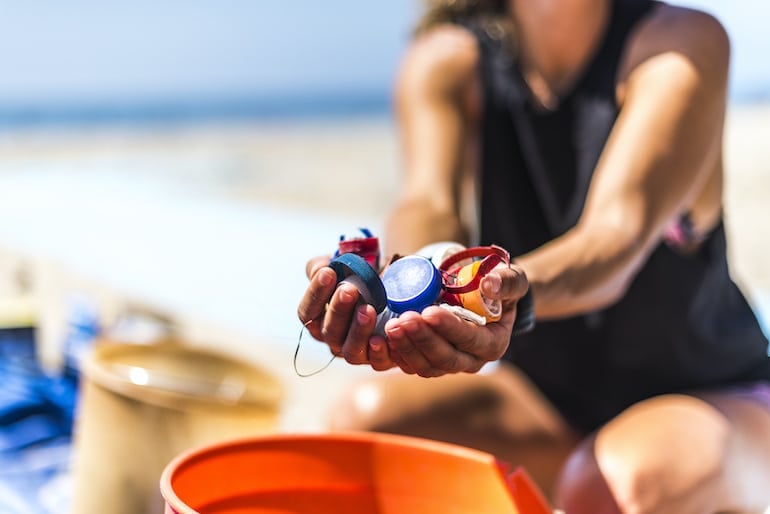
column 526, row 496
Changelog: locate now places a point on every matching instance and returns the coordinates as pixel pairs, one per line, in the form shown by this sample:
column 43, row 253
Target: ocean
column 186, row 61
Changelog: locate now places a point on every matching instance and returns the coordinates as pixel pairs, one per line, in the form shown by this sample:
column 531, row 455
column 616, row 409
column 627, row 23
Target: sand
column 347, row 168
column 351, row 167
column 747, row 196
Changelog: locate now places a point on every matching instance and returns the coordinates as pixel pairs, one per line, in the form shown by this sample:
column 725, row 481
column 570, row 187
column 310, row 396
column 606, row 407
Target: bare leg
column 674, row 454
column 500, row 412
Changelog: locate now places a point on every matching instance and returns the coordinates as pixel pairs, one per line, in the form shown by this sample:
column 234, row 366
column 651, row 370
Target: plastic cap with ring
column 354, row 269
column 367, row 247
column 474, row 301
column 440, row 251
column 411, row 284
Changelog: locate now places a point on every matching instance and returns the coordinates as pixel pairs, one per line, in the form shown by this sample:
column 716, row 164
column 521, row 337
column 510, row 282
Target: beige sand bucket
column 351, row 473
column 141, row 405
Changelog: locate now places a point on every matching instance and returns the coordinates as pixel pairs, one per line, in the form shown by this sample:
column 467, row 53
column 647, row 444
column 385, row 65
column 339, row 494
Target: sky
column 102, row 50
column 99, row 51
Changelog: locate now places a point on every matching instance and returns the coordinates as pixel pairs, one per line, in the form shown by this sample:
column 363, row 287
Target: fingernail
column 326, row 279
column 395, row 332
column 361, row 316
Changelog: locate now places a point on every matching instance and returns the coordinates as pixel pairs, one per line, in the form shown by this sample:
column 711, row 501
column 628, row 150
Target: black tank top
column 682, row 324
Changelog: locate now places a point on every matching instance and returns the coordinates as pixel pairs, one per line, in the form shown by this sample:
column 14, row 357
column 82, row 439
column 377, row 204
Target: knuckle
column 304, row 315
column 314, row 330
column 338, row 309
column 316, row 295
column 521, row 281
column 429, row 372
column 450, row 362
column 424, row 372
column 311, row 306
column 404, row 349
column 473, row 345
column 332, row 336
column 353, row 356
column 475, row 366
column 381, row 365
column 401, row 363
column 515, row 282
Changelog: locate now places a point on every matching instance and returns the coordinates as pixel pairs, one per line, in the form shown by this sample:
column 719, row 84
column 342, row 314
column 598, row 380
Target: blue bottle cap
column 411, row 284
column 356, row 270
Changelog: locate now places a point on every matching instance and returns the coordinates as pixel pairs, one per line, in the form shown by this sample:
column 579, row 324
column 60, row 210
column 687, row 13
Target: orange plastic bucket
column 352, row 473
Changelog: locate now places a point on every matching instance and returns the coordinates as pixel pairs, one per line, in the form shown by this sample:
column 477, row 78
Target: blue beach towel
column 36, row 420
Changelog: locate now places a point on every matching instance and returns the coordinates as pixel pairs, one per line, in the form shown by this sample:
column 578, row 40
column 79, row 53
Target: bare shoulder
column 696, row 33
column 444, row 59
column 691, row 36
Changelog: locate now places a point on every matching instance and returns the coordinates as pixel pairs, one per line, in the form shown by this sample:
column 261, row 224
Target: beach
column 205, row 229
column 324, row 171
column 747, row 186
column 350, row 167
column 170, row 183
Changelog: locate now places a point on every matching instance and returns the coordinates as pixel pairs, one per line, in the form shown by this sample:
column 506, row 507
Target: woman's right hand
column 334, row 315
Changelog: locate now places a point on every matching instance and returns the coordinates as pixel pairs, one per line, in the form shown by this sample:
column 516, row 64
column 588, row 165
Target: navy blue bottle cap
column 355, row 269
column 411, row 284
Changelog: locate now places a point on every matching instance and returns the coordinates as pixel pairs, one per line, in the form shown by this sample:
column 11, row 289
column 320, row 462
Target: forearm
column 413, row 224
column 663, row 149
column 582, row 271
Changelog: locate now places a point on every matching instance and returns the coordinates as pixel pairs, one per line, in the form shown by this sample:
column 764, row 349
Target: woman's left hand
column 437, row 342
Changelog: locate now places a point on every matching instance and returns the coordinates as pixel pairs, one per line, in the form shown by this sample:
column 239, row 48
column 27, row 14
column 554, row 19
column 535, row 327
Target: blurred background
column 169, row 166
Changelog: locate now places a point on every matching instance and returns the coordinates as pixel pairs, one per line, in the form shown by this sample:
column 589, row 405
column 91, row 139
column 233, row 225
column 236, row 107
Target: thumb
column 506, row 283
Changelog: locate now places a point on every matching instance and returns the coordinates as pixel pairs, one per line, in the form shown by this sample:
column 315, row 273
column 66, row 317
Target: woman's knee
column 582, row 488
column 359, row 407
column 665, row 454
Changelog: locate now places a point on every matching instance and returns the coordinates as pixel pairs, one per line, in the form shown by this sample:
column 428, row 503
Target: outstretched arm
column 664, row 148
column 661, row 158
column 663, row 153
column 437, row 110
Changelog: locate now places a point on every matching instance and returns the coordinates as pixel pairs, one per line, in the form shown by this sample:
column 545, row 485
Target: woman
column 585, row 135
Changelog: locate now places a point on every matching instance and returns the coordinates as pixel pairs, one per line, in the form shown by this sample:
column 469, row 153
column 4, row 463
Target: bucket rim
column 177, row 506
column 99, row 373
